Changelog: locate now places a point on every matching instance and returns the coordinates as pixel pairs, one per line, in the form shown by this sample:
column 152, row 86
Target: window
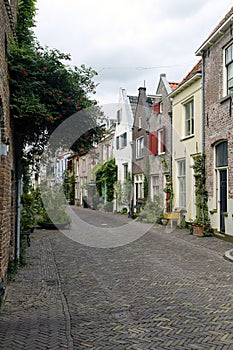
column 222, row 154
column 161, row 147
column 124, row 140
column 182, row 182
column 189, row 118
column 118, row 116
column 139, row 147
column 157, row 141
column 155, row 187
column 139, row 122
column 229, row 67
column 153, row 142
column 125, row 169
column 117, row 142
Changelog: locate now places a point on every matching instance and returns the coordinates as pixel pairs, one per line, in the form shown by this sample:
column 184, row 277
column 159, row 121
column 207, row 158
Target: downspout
column 203, row 127
column 171, row 140
column 203, row 103
column 18, row 219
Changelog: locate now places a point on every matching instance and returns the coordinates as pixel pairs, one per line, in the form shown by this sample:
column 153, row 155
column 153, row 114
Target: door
column 223, row 198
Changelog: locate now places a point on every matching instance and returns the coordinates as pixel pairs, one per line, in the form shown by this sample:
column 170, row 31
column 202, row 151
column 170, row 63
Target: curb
column 229, row 255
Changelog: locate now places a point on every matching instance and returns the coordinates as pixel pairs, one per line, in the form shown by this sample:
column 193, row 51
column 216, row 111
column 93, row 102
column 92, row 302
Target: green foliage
column 123, row 190
column 44, row 89
column 201, row 195
column 71, row 191
column 153, row 211
column 25, row 21
column 146, row 187
column 106, row 178
column 53, row 206
column 28, row 212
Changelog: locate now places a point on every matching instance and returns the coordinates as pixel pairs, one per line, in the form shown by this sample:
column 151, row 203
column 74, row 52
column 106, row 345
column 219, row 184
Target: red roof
column 196, row 69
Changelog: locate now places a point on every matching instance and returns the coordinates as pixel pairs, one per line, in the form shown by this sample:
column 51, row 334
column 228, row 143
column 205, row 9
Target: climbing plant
column 202, row 214
column 45, row 90
column 106, row 178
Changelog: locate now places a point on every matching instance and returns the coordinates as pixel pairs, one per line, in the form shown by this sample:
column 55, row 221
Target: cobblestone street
column 166, row 290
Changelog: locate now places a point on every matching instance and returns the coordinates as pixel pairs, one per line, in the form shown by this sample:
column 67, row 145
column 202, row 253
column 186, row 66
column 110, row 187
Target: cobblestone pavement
column 163, row 291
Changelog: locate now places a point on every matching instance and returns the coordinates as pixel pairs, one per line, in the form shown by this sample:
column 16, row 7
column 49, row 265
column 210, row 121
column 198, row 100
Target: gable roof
column 192, row 75
column 218, row 31
column 133, row 102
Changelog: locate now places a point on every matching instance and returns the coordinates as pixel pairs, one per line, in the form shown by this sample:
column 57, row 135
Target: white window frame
column 160, row 141
column 189, row 118
column 181, row 177
column 154, row 186
column 140, row 147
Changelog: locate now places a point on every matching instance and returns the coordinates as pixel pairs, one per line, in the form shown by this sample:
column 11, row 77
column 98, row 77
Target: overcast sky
column 129, row 42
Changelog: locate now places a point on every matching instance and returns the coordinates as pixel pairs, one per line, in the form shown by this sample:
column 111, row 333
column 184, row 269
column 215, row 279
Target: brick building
column 7, row 170
column 217, row 57
column 140, row 168
column 160, row 143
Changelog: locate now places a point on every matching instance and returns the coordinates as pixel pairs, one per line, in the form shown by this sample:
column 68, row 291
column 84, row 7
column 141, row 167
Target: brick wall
column 7, row 169
column 218, row 114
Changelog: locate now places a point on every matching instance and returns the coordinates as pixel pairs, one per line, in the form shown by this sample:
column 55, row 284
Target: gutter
column 215, row 36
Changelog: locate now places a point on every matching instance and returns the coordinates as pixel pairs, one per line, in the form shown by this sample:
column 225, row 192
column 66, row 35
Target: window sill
column 187, row 137
column 138, row 158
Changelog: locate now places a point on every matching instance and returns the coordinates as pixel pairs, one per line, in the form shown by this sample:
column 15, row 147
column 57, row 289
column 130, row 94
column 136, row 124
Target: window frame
column 189, row 118
column 228, row 61
column 181, row 177
column 140, row 147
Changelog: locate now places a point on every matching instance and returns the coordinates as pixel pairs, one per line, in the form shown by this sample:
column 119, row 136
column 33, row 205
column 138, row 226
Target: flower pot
column 198, row 230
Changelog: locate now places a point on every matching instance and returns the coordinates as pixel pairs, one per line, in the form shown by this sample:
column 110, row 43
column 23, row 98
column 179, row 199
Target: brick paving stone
column 166, row 290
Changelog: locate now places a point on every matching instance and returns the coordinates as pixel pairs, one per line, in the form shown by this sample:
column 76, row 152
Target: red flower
column 44, row 68
column 68, row 99
column 59, row 116
column 77, row 106
column 24, row 72
column 95, row 102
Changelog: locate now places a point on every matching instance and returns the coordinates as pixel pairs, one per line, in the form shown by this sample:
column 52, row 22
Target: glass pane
column 222, row 154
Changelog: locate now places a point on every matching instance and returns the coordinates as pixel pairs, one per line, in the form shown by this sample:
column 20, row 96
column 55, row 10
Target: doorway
column 222, row 198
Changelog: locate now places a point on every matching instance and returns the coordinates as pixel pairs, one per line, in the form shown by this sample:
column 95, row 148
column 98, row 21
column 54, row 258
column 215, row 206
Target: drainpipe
column 170, row 115
column 203, row 122
column 203, row 103
column 19, row 189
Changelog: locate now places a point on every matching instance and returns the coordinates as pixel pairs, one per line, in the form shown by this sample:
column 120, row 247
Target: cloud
column 130, row 41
